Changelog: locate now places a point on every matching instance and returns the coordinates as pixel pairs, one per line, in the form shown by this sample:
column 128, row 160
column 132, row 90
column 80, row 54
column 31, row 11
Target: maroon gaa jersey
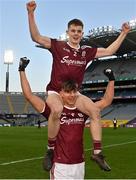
column 68, row 63
column 69, row 143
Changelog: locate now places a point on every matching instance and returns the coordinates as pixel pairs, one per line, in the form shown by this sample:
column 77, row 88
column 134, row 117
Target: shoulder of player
column 58, row 41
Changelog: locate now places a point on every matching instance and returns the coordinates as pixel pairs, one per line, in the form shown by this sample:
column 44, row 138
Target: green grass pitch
column 22, row 150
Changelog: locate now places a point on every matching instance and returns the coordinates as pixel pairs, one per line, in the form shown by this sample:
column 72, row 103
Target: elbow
column 107, row 103
column 28, row 96
column 110, row 52
column 34, row 39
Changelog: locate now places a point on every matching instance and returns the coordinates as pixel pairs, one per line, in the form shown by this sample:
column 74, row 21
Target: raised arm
column 111, row 49
column 35, row 101
column 109, row 93
column 34, row 32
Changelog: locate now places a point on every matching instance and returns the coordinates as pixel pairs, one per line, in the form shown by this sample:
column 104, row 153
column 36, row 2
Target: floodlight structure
column 100, row 31
column 8, row 59
column 132, row 24
column 63, row 37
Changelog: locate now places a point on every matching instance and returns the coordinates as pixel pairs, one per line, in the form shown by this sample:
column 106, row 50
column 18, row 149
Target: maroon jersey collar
column 70, row 108
column 73, row 47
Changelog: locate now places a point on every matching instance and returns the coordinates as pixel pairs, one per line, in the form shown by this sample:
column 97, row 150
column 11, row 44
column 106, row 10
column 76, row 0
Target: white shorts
column 67, row 171
column 52, row 92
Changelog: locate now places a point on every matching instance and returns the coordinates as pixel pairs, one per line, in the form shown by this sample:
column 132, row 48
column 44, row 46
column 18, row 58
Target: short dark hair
column 69, row 85
column 76, row 22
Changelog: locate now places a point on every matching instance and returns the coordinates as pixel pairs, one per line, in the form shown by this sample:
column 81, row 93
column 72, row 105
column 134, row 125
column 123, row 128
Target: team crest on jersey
column 80, row 114
column 83, row 53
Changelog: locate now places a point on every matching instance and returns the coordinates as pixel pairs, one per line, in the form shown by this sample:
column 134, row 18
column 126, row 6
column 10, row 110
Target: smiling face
column 69, row 97
column 75, row 34
column 69, row 93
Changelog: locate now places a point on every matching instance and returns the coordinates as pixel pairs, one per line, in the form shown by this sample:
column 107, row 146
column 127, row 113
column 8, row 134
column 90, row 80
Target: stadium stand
column 131, row 123
column 123, row 111
column 123, row 64
column 14, row 109
column 123, row 68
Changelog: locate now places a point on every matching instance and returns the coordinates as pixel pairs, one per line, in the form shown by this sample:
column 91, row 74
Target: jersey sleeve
column 55, row 44
column 46, row 112
column 91, row 52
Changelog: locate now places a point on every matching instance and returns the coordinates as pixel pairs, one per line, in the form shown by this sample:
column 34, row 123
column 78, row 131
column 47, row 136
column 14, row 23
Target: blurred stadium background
column 22, row 145
column 16, row 111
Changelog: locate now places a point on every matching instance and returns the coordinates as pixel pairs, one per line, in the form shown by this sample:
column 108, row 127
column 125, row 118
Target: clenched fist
column 31, row 6
column 125, row 28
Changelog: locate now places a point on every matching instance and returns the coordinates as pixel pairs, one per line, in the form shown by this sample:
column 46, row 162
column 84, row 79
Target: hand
column 125, row 28
column 31, row 6
column 109, row 73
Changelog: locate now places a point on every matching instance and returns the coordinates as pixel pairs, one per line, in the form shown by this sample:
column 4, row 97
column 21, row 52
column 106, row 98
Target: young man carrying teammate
column 69, row 62
column 69, row 142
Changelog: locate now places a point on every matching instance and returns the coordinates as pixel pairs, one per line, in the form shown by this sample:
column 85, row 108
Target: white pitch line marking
column 35, row 158
column 113, row 145
column 19, row 161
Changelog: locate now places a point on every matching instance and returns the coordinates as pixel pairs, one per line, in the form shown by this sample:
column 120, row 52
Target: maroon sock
column 51, row 143
column 97, row 145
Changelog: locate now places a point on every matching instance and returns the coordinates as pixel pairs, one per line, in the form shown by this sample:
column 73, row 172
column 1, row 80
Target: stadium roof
column 128, row 45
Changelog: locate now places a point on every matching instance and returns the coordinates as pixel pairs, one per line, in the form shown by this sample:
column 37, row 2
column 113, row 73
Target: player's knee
column 95, row 114
column 28, row 96
column 56, row 111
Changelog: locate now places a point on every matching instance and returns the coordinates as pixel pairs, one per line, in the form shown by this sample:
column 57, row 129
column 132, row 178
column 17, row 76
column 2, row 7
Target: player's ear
column 61, row 93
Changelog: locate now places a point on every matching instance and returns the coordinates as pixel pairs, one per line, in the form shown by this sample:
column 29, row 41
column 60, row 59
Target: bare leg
column 87, row 106
column 56, row 107
column 55, row 103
